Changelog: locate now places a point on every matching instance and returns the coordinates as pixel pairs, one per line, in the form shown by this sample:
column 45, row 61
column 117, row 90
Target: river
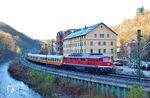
column 11, row 88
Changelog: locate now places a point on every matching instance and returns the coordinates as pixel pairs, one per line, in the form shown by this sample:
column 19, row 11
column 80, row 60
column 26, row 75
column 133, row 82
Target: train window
column 100, row 59
column 110, row 59
column 83, row 59
column 105, row 59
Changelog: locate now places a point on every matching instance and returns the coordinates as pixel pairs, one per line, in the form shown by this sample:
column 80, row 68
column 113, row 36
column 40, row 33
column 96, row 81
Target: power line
column 146, row 46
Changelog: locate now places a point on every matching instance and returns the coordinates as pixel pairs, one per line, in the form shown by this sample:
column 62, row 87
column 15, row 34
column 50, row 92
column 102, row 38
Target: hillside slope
column 21, row 39
column 13, row 42
column 127, row 29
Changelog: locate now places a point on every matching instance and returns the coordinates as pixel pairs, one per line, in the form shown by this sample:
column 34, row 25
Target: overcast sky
column 42, row 19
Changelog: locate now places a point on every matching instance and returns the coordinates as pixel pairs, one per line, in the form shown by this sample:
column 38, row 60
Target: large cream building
column 98, row 38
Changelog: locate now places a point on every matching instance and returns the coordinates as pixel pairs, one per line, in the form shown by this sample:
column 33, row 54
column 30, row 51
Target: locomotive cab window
column 105, row 59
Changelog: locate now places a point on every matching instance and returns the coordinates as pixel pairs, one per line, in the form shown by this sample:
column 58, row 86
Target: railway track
column 130, row 77
column 110, row 79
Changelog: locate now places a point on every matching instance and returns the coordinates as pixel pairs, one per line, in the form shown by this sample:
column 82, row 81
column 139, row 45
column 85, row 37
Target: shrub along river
column 11, row 88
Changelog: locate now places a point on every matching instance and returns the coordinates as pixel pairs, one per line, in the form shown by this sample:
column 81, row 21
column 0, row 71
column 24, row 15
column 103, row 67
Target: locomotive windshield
column 105, row 59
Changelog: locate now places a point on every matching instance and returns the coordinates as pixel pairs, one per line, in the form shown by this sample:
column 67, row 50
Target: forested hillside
column 13, row 42
column 127, row 29
column 21, row 39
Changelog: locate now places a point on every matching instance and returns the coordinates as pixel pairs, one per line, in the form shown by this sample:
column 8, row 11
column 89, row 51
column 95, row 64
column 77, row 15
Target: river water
column 11, row 88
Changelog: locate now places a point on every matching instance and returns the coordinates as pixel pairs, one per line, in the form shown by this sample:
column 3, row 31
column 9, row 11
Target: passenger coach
column 46, row 59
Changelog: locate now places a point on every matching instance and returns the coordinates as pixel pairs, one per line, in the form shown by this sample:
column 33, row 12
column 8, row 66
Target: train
column 91, row 63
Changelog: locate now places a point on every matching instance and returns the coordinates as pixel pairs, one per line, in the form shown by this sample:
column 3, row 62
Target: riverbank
column 52, row 86
column 12, row 88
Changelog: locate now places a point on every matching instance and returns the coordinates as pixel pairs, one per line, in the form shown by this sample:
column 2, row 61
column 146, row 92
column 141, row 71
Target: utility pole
column 52, row 46
column 139, row 58
column 81, row 43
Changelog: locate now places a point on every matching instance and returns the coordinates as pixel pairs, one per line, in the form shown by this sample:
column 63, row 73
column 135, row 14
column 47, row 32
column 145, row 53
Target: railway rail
column 130, row 77
column 110, row 79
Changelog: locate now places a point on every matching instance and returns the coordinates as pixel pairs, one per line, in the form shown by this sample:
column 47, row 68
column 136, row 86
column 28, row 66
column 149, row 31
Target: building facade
column 59, row 39
column 59, row 43
column 98, row 38
column 130, row 50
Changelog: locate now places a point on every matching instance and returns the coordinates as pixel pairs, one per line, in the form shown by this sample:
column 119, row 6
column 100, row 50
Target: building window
column 99, row 50
column 104, row 50
column 112, row 51
column 91, row 43
column 99, row 43
column 104, row 43
column 81, row 43
column 91, row 50
column 101, row 35
column 84, row 43
column 81, row 51
column 111, row 43
column 95, row 35
column 107, row 35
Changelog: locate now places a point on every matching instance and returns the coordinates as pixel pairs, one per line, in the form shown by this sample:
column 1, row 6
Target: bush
column 17, row 71
column 136, row 92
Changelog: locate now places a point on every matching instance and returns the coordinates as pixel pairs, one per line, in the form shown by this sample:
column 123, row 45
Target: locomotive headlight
column 108, row 63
